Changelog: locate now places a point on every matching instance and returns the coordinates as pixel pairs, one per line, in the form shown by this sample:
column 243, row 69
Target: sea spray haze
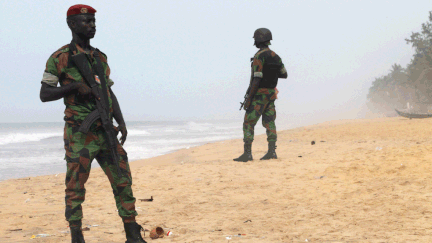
column 407, row 87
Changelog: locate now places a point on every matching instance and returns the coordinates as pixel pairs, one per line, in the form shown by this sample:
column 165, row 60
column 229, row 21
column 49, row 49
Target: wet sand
column 362, row 181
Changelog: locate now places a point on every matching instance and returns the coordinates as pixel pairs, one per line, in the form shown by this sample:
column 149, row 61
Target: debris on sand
column 147, row 200
column 157, row 232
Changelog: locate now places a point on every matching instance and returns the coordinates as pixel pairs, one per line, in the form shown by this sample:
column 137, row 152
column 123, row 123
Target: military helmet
column 262, row 35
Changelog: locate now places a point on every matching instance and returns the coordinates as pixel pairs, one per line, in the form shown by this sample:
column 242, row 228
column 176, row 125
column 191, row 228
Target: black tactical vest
column 271, row 68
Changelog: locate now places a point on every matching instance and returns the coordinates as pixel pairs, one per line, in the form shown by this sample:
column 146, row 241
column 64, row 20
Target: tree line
column 409, row 87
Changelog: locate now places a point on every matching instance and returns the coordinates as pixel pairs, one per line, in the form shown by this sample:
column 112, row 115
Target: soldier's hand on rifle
column 82, row 88
column 123, row 130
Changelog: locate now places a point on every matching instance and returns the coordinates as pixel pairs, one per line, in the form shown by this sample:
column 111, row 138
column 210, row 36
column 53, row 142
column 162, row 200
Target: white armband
column 50, row 79
column 258, row 74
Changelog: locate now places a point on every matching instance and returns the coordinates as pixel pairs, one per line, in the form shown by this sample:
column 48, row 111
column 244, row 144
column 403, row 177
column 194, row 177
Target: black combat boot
column 133, row 233
column 76, row 232
column 247, row 155
column 271, row 154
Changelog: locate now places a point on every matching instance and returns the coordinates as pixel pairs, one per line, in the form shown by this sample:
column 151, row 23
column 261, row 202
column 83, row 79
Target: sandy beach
column 366, row 180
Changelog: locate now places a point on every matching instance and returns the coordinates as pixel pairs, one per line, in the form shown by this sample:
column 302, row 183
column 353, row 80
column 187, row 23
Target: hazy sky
column 189, row 60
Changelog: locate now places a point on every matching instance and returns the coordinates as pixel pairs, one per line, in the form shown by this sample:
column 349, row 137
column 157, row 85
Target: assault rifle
column 102, row 103
column 245, row 98
column 248, row 90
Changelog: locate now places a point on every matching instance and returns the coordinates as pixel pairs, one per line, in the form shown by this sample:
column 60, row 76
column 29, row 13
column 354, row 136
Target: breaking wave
column 27, row 137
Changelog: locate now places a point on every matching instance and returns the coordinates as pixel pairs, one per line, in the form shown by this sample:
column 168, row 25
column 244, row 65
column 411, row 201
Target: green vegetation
column 412, row 84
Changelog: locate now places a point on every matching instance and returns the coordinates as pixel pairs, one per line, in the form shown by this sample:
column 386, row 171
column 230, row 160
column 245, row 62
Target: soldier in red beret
column 87, row 135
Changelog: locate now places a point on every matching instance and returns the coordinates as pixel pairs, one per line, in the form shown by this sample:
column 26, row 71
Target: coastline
column 364, row 180
column 44, row 153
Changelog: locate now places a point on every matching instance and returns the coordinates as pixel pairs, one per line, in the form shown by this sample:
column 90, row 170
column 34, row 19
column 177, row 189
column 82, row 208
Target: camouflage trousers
column 262, row 104
column 81, row 149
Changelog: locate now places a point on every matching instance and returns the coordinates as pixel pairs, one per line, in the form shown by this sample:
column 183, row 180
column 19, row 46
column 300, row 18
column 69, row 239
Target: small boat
column 413, row 115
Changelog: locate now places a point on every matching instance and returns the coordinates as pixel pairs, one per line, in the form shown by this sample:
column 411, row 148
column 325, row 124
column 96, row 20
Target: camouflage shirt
column 58, row 71
column 261, row 58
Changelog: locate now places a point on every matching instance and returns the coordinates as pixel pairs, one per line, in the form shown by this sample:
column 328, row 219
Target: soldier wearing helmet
column 267, row 68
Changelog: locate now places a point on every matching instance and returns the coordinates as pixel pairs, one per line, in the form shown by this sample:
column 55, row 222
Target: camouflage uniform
column 82, row 148
column 263, row 103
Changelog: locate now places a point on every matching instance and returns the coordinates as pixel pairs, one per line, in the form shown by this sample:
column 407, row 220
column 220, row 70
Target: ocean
column 32, row 149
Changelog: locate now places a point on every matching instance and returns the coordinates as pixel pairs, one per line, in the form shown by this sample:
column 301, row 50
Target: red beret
column 80, row 9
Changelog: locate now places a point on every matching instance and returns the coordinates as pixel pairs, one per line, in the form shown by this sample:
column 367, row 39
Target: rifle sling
column 101, row 73
column 82, row 63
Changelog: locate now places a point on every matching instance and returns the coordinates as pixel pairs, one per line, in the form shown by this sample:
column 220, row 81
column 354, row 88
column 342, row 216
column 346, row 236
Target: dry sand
column 363, row 181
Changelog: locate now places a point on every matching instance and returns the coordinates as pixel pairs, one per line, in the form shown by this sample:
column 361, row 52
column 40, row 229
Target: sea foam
column 19, row 137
